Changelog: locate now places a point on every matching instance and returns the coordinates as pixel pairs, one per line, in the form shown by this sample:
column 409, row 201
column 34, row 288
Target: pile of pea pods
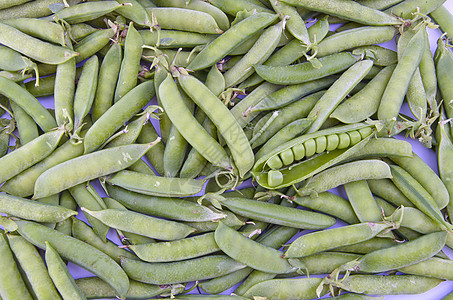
column 191, row 149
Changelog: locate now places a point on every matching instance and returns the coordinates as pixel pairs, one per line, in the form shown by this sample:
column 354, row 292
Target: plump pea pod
column 222, row 283
column 86, row 89
column 420, row 170
column 444, row 62
column 444, row 19
column 303, row 72
column 368, row 246
column 188, row 126
column 156, row 185
column 85, row 233
column 234, row 36
column 28, row 10
column 387, row 190
column 95, row 288
column 398, row 84
column 341, row 174
column 349, row 10
column 127, row 78
column 301, row 288
column 261, row 50
column 176, row 250
column 34, row 151
column 130, row 132
column 172, row 18
column 432, row 267
column 352, row 38
column 362, row 201
column 141, row 224
column 319, row 241
column 219, row 16
column 224, row 121
column 117, row 115
column 400, row 255
column 205, row 267
column 292, row 93
column 64, row 89
column 277, row 214
column 444, row 160
column 175, row 39
column 33, row 267
column 381, row 56
column 93, row 43
column 60, row 275
column 416, row 220
column 134, row 11
column 232, row 7
column 14, row 61
column 80, row 31
column 366, row 102
column 183, row 210
column 39, row 28
column 264, row 258
column 12, row 285
column 8, row 3
column 295, row 24
column 88, row 167
column 83, row 12
column 32, row 210
column 27, row 102
column 28, row 130
column 22, row 185
column 108, row 76
column 406, row 8
column 77, row 252
column 331, row 204
column 28, row 45
column 388, row 284
column 337, row 92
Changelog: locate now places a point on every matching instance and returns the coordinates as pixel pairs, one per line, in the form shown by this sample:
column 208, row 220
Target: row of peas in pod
column 206, row 137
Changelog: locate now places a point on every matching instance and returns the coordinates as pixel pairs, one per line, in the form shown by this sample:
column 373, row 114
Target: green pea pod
column 93, row 43
column 233, row 7
column 226, row 42
column 303, row 72
column 406, row 9
column 134, row 11
column 39, row 28
column 175, row 39
column 7, row 3
column 156, row 185
column 444, row 154
column 83, row 12
column 444, row 62
column 77, row 252
column 444, row 19
column 87, row 167
column 301, row 288
column 28, row 129
column 349, row 10
column 17, row 161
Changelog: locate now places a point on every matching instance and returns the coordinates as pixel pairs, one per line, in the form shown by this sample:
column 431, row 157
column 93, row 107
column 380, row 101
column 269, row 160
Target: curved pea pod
column 87, row 167
column 60, row 275
column 141, row 224
column 301, row 288
column 277, row 214
column 349, row 10
column 39, row 28
column 95, row 288
column 182, row 210
column 421, row 171
column 225, row 122
column 83, row 12
column 418, row 195
column 117, row 115
column 364, row 103
column 77, row 252
column 388, row 284
column 335, row 140
column 14, row 61
column 332, row 238
column 205, row 267
column 156, row 185
column 432, row 267
column 345, row 173
column 47, row 53
column 34, row 151
column 249, row 252
column 303, row 72
column 33, row 210
column 445, row 156
column 406, row 9
column 93, row 43
column 12, row 286
column 384, row 147
column 27, row 102
column 444, row 64
column 176, row 250
column 227, row 41
column 399, row 256
column 352, row 38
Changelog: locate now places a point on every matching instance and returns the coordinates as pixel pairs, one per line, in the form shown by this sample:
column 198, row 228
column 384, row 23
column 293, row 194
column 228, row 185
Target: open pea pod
column 284, row 165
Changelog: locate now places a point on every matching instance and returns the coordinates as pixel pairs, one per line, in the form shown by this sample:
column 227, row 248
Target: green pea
column 275, row 162
column 274, row 178
column 310, row 147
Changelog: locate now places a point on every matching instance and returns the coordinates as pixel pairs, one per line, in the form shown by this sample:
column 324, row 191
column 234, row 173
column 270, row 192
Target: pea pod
column 83, row 12
column 301, row 288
